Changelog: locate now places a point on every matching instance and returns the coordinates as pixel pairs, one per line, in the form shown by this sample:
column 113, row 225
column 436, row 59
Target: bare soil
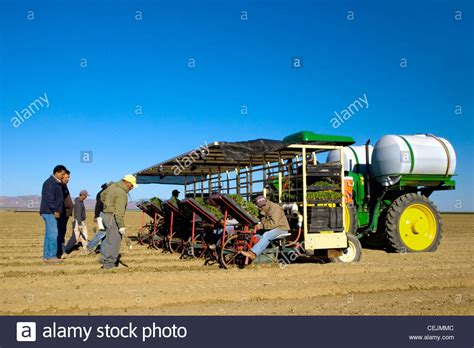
column 439, row 283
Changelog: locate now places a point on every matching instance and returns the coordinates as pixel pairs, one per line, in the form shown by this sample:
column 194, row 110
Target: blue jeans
column 50, row 236
column 265, row 240
column 98, row 238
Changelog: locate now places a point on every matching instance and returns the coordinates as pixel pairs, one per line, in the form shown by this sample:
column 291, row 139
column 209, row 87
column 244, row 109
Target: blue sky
column 238, row 62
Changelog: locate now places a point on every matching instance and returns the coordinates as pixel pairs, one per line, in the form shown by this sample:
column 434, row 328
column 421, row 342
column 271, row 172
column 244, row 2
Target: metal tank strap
column 445, row 150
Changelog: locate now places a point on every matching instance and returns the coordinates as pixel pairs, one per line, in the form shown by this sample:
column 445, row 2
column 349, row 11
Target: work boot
column 119, row 262
column 250, row 254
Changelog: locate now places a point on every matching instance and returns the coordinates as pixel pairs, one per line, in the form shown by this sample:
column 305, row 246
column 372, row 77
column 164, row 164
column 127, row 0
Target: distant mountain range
column 33, row 202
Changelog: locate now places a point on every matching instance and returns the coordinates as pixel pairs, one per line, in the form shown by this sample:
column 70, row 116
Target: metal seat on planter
column 279, row 241
column 283, row 236
column 270, row 254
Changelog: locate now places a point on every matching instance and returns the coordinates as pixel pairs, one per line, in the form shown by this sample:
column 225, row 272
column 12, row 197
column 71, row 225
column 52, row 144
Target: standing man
column 115, row 204
column 79, row 234
column 51, row 206
column 65, row 214
column 98, row 219
column 174, row 197
column 274, row 220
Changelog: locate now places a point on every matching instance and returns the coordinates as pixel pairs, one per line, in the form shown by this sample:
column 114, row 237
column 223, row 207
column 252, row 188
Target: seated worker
column 274, row 220
column 174, row 197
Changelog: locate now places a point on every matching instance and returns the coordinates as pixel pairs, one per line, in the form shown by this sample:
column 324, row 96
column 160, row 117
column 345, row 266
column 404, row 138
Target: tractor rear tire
column 413, row 224
column 352, row 253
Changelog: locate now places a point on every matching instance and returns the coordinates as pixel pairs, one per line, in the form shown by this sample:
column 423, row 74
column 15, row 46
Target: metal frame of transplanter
column 316, row 241
column 153, row 211
column 206, row 217
column 198, row 210
column 243, row 180
column 173, row 214
column 213, row 173
column 231, row 208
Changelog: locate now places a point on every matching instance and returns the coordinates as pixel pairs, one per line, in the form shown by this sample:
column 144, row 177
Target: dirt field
column 439, row 283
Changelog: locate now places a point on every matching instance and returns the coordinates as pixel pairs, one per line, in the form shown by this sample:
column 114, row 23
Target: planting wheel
column 229, row 254
column 196, row 248
column 174, row 243
column 157, row 241
column 143, row 235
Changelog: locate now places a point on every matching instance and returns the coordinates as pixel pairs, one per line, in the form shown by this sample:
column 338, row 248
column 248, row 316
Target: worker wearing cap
column 115, row 202
column 79, row 228
column 274, row 220
column 174, row 197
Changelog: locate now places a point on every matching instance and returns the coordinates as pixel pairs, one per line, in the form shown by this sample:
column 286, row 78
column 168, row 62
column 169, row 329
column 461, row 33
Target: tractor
column 389, row 188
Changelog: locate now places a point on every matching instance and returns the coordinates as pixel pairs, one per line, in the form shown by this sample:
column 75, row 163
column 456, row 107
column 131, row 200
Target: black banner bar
column 133, row 331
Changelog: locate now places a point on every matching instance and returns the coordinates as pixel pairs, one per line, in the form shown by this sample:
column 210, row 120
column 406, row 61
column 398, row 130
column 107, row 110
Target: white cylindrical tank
column 354, row 158
column 411, row 154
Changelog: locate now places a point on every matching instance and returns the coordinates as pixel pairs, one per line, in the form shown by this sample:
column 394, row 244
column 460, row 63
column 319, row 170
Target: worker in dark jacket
column 79, row 227
column 52, row 201
column 65, row 214
column 115, row 199
column 99, row 205
column 98, row 219
column 274, row 220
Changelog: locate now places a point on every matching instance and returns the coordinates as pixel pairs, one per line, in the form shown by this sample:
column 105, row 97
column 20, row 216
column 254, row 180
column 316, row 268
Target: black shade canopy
column 215, row 158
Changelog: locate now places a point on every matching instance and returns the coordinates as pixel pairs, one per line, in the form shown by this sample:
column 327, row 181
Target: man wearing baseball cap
column 273, row 220
column 174, row 197
column 115, row 199
column 79, row 227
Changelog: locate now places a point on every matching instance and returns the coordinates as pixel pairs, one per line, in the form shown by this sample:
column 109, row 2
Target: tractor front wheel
column 413, row 224
column 352, row 253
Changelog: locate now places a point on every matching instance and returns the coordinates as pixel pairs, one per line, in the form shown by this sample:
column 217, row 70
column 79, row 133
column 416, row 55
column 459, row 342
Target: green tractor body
column 373, row 202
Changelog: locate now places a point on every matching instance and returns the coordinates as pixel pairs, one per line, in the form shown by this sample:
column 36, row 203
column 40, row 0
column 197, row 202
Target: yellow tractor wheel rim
column 417, row 227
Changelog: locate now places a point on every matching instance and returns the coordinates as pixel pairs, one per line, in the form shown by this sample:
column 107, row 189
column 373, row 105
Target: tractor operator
column 274, row 220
